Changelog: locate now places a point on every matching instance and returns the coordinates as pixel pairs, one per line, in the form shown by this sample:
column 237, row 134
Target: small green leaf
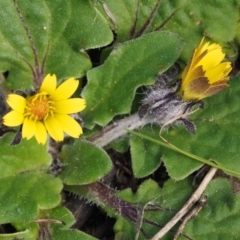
column 26, row 156
column 111, row 87
column 146, row 192
column 23, row 195
column 58, row 213
column 84, row 163
column 146, row 157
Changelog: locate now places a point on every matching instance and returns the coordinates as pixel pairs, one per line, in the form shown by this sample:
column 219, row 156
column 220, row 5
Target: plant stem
column 116, row 130
column 104, row 196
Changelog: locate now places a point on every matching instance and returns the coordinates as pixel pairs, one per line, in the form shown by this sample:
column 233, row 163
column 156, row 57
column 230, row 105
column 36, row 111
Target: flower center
column 38, row 107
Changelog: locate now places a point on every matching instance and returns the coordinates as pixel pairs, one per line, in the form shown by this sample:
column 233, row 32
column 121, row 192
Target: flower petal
column 54, row 128
column 69, row 125
column 16, row 102
column 13, row 119
column 219, row 72
column 65, row 90
column 69, row 106
column 212, row 59
column 28, row 129
column 41, row 133
column 49, row 84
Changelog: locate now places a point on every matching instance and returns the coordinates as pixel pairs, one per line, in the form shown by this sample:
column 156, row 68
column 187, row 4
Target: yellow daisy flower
column 206, row 74
column 47, row 111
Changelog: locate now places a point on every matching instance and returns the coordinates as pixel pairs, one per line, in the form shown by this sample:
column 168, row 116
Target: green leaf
column 83, row 163
column 48, row 37
column 58, row 213
column 23, row 195
column 219, row 217
column 111, row 87
column 146, row 157
column 26, row 156
column 146, row 192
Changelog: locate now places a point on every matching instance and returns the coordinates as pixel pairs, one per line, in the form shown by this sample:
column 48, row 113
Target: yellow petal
column 198, row 54
column 54, row 128
column 16, row 102
column 65, row 90
column 194, row 63
column 212, row 59
column 219, row 72
column 201, row 48
column 49, row 84
column 28, row 129
column 13, row 119
column 69, row 125
column 197, row 59
column 69, row 106
column 40, row 133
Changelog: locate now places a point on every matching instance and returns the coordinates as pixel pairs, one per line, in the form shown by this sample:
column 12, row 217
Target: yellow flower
column 47, row 111
column 206, row 74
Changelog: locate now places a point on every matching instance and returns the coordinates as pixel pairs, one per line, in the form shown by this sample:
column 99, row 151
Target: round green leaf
column 83, row 163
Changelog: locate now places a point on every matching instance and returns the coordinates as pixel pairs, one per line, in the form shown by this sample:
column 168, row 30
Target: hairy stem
column 104, row 196
column 116, row 130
